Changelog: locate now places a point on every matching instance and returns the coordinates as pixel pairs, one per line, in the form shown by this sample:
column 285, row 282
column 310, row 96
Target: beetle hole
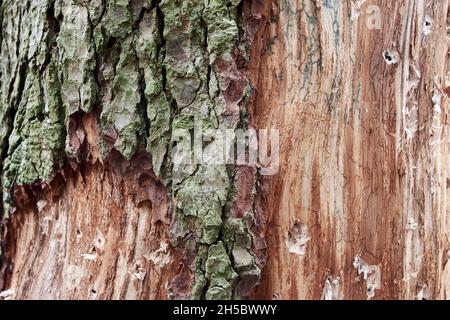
column 390, row 57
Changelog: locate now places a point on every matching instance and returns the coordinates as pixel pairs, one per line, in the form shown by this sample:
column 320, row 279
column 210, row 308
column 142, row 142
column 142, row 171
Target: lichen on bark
column 77, row 57
column 151, row 72
column 32, row 118
column 202, row 40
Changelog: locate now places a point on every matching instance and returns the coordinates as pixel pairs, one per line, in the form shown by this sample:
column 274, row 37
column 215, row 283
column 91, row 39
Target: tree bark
column 99, row 98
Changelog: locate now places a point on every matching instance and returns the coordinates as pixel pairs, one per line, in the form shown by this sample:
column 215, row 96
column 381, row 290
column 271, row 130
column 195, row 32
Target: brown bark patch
column 97, row 232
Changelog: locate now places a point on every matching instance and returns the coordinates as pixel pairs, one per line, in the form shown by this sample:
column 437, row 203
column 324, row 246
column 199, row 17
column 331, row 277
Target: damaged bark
column 99, row 98
column 359, row 209
column 94, row 86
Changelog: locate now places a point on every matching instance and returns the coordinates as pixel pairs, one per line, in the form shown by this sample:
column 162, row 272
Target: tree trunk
column 104, row 197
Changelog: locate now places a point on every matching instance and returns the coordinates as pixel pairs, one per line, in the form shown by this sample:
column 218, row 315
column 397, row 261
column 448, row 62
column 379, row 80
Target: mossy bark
column 97, row 95
column 144, row 73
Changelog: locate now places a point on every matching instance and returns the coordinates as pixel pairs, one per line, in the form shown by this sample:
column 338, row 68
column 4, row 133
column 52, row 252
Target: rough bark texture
column 114, row 84
column 95, row 96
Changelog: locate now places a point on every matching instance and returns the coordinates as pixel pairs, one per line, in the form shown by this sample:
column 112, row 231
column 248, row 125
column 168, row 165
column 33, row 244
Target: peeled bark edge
column 135, row 74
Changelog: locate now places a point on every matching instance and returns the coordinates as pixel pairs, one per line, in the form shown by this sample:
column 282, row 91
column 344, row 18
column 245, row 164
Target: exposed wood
column 105, row 237
column 363, row 182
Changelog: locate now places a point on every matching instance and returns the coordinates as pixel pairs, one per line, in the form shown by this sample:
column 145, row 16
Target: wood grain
column 364, row 148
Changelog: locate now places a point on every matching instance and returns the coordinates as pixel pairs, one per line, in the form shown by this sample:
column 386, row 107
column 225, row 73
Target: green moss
column 200, row 281
column 152, row 74
column 220, row 18
column 159, row 114
column 220, row 273
column 37, row 138
column 203, row 195
column 149, row 52
column 77, row 56
column 185, row 58
column 118, row 21
column 196, row 34
column 239, row 242
column 122, row 112
column 183, row 121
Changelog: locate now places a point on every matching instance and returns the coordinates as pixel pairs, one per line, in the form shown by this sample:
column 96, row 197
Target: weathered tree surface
column 99, row 98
